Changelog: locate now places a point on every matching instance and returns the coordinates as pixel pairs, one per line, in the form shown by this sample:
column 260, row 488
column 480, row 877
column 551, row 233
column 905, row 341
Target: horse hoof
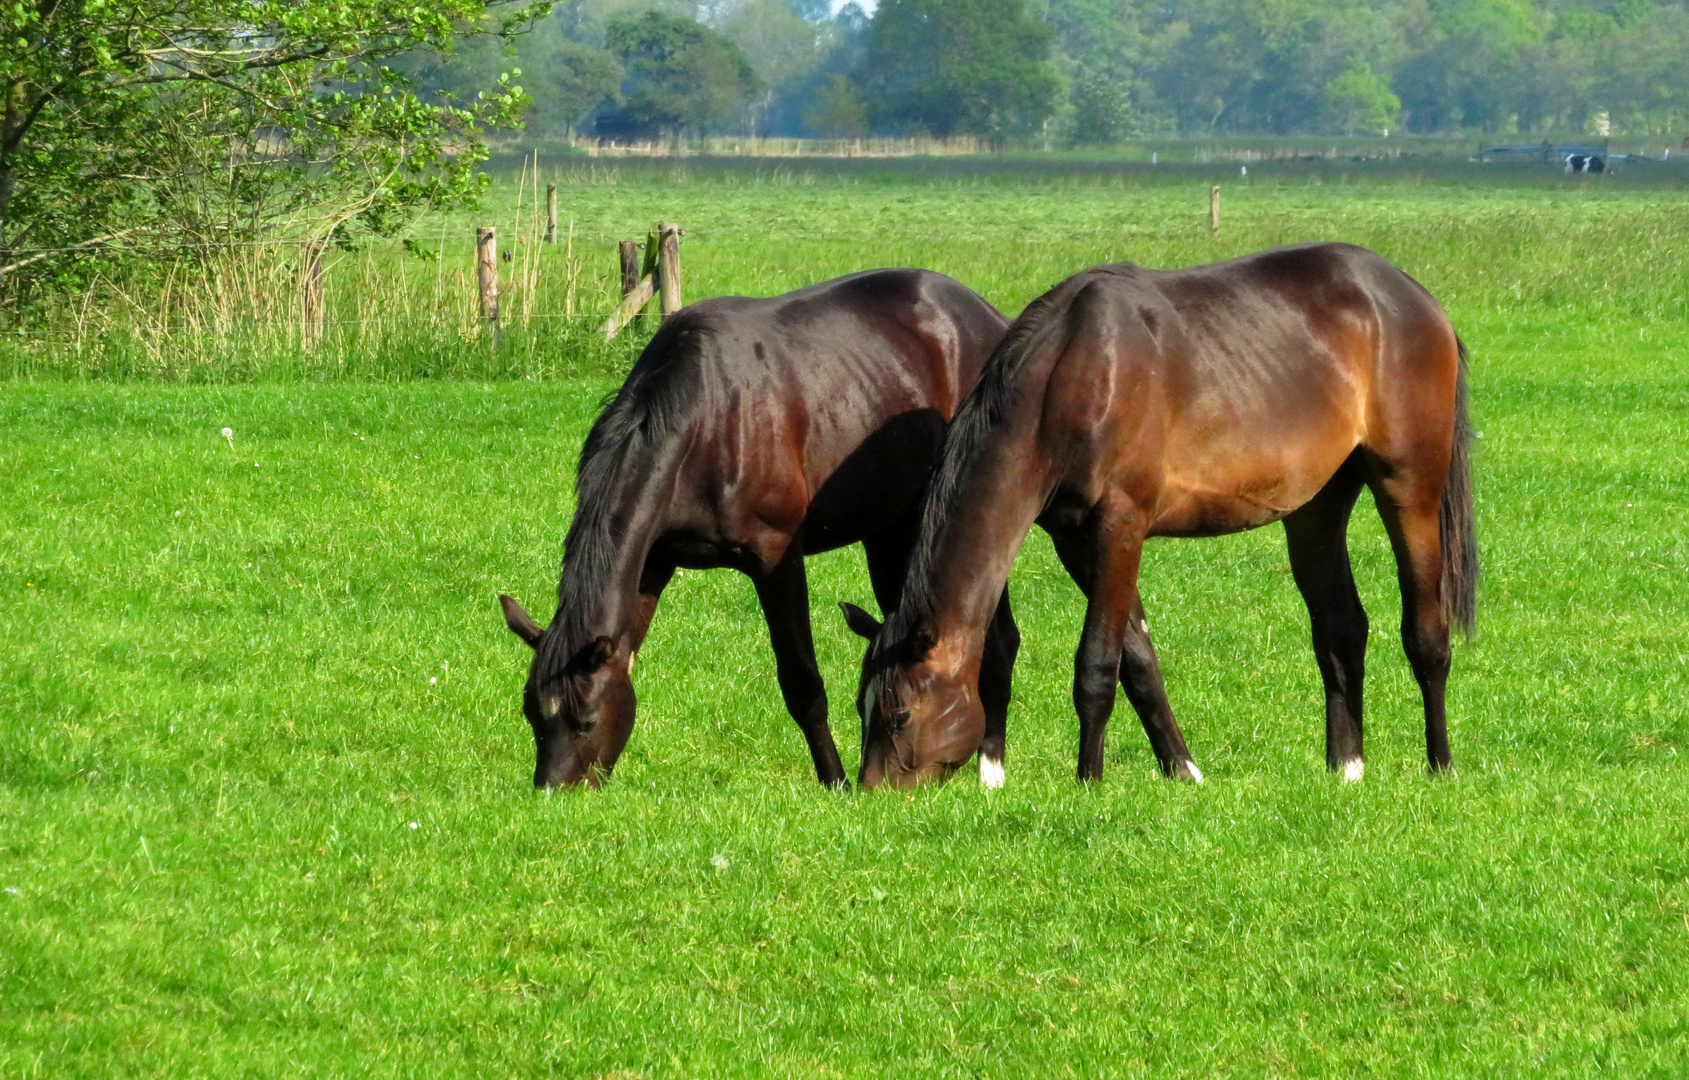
column 1187, row 770
column 990, row 772
column 1353, row 770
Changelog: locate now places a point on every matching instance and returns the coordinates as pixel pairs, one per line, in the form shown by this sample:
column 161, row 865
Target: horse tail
column 1459, row 529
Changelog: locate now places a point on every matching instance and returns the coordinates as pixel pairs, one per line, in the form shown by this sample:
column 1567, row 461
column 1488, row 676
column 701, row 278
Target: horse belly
column 884, row 476
column 1247, row 494
column 1195, row 514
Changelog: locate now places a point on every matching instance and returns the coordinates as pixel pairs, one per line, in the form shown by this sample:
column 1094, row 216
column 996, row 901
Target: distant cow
column 1585, row 163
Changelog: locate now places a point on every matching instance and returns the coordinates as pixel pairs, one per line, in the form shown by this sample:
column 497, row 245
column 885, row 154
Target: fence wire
column 506, row 324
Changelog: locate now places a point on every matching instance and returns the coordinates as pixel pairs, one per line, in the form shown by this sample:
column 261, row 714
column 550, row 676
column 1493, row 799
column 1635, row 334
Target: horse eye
column 899, row 719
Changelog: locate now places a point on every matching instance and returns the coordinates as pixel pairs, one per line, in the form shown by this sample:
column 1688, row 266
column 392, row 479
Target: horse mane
column 648, row 410
column 980, row 413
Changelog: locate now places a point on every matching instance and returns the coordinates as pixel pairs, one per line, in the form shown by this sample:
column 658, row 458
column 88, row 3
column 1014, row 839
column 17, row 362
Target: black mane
column 650, row 409
column 979, row 413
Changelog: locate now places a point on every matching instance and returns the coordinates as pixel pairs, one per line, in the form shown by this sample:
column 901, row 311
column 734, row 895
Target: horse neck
column 616, row 523
column 972, row 529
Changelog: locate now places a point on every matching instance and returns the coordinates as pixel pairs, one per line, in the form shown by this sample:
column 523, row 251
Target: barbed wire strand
column 177, row 327
column 99, row 247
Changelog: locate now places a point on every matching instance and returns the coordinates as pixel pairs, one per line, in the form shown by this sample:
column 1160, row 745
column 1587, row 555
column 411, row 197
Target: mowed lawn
column 264, row 781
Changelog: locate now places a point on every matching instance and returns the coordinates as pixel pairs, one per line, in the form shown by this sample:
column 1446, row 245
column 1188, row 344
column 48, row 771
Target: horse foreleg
column 652, row 582
column 1140, row 676
column 784, row 595
column 996, row 677
column 1115, row 647
column 1319, row 561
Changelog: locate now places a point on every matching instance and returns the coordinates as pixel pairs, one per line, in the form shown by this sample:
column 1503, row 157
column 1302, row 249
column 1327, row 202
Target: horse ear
column 922, row 638
column 520, row 622
column 594, row 655
column 860, row 622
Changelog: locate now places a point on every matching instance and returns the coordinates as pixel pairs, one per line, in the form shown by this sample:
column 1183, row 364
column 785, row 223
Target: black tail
column 1459, row 529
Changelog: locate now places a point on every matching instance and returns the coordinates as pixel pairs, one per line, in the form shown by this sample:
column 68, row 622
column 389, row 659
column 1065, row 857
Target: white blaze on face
column 550, row 707
column 990, row 772
column 868, row 698
column 1353, row 770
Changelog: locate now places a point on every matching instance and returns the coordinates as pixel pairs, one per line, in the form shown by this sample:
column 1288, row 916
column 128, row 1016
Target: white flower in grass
column 432, row 680
column 719, row 861
column 229, row 434
column 414, row 825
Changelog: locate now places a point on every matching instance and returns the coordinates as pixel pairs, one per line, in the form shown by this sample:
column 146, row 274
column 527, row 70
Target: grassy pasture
column 263, row 802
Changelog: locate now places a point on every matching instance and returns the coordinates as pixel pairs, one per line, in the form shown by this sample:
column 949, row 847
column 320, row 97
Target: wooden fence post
column 629, row 251
column 551, row 213
column 1214, row 212
column 653, row 244
column 668, row 260
column 312, row 324
column 486, row 266
column 635, row 298
column 642, row 279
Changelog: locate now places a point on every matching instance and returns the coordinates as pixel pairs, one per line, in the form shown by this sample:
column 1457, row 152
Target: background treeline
column 1091, row 72
column 145, row 144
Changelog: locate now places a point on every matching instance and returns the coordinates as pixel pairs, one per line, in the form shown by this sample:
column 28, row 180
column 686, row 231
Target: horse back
column 1225, row 396
column 821, row 410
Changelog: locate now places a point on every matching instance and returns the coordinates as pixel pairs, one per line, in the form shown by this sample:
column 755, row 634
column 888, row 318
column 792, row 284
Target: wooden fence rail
column 658, row 276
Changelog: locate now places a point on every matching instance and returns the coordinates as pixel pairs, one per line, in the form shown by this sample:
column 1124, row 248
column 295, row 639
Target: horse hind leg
column 1416, row 539
column 1319, row 561
column 784, row 596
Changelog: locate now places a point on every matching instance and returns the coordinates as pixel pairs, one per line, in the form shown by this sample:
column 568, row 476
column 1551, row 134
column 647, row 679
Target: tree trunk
column 8, row 180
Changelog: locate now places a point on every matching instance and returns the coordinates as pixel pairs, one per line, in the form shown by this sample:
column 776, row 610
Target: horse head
column 919, row 701
column 579, row 701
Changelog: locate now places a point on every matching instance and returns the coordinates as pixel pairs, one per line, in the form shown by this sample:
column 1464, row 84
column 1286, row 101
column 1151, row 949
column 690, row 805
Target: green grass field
column 264, row 781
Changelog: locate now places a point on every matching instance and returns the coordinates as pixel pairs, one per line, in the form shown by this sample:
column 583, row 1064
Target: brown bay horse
column 750, row 433
column 1128, row 403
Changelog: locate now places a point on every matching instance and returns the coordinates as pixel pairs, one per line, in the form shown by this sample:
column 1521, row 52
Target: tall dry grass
column 385, row 309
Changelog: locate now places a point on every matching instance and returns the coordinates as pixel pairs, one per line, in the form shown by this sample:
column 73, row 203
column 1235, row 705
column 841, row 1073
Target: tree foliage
column 679, row 74
column 573, row 80
column 959, row 67
column 1358, row 100
column 203, row 120
column 838, row 111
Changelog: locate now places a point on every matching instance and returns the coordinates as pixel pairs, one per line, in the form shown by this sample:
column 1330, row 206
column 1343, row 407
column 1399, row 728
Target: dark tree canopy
column 959, row 67
column 678, row 74
column 573, row 80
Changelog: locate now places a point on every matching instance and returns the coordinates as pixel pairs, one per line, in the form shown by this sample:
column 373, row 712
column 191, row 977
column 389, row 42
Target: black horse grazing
column 750, row 433
column 1128, row 403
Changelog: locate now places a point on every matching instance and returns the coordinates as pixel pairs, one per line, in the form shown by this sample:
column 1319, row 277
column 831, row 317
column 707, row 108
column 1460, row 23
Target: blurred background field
column 1486, row 238
column 264, row 800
